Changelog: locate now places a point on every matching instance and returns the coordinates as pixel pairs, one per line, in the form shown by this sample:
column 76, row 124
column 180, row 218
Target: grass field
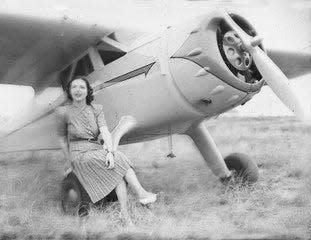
column 192, row 202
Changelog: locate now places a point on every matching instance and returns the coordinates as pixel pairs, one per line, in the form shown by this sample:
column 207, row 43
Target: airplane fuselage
column 171, row 80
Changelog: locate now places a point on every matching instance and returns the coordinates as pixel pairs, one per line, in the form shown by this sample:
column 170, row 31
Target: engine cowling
column 211, row 68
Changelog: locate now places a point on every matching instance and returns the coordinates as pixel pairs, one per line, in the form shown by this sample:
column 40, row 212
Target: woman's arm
column 102, row 125
column 107, row 138
column 108, row 141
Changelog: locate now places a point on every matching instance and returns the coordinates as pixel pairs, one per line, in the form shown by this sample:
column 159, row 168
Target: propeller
column 274, row 77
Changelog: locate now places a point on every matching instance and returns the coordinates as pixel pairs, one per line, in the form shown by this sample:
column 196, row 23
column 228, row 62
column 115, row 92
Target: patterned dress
column 88, row 158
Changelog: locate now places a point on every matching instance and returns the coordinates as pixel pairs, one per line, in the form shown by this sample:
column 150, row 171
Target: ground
column 192, row 203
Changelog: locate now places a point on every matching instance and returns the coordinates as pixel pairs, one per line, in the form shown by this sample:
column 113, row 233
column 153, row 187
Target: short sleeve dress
column 88, row 157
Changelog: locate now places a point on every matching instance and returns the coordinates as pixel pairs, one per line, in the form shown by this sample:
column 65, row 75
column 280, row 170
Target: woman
column 99, row 170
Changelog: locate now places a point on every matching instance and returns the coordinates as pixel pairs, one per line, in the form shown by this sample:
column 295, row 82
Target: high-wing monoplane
column 152, row 84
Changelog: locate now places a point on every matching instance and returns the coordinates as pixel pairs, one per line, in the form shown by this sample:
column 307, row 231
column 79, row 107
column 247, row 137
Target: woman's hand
column 109, row 160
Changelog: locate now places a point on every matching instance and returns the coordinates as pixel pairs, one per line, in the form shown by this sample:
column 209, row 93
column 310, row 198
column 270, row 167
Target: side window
column 110, row 56
column 111, row 50
column 84, row 67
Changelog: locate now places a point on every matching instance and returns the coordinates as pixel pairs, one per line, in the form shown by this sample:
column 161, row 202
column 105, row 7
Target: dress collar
column 78, row 106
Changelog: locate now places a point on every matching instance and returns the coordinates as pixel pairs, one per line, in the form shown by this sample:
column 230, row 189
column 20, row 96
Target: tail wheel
column 75, row 199
column 242, row 166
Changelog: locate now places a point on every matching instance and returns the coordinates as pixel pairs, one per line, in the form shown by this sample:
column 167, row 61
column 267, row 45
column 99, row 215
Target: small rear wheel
column 75, row 199
column 242, row 167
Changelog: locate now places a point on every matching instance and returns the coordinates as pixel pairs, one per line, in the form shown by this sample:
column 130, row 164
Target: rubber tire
column 243, row 166
column 81, row 205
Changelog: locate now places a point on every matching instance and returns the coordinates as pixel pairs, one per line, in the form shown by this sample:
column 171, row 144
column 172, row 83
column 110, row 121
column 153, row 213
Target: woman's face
column 78, row 90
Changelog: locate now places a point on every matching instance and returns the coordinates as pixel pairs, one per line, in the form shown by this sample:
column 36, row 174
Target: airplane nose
column 216, row 47
column 223, row 73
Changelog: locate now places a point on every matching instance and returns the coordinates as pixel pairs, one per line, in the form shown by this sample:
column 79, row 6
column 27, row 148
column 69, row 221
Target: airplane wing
column 34, row 45
column 292, row 64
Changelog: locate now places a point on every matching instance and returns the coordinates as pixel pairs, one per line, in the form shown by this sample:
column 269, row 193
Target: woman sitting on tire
column 99, row 170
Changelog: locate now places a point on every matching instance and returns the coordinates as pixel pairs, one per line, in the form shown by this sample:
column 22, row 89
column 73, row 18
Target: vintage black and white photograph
column 155, row 119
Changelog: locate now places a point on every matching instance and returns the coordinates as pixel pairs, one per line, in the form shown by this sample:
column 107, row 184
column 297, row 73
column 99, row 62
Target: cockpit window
column 110, row 56
column 111, row 50
column 84, row 67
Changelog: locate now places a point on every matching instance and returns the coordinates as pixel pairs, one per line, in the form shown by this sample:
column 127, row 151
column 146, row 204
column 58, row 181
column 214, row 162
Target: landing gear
column 242, row 167
column 211, row 154
column 235, row 164
column 74, row 198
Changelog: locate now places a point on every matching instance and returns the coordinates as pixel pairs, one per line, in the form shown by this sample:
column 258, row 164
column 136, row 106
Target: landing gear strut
column 233, row 165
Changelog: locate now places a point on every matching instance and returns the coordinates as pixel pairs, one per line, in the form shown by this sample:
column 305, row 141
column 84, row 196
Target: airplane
column 151, row 84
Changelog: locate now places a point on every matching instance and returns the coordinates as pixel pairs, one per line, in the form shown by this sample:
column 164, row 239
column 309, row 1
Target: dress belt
column 95, row 140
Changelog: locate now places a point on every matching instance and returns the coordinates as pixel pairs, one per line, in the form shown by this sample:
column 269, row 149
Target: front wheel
column 242, row 166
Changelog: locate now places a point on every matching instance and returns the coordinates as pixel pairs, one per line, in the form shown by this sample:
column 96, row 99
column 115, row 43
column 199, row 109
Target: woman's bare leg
column 122, row 198
column 131, row 178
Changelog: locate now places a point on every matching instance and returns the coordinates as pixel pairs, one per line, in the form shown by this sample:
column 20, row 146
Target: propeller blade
column 274, row 77
column 278, row 82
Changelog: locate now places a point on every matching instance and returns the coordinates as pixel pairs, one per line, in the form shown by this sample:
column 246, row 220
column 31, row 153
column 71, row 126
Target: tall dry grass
column 192, row 202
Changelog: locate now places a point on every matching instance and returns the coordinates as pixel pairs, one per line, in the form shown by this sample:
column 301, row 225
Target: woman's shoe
column 150, row 199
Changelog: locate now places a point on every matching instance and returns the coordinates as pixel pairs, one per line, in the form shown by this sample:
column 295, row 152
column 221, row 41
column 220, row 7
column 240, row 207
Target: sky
column 283, row 24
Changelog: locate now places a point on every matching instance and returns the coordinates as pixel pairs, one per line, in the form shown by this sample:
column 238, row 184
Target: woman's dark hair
column 89, row 96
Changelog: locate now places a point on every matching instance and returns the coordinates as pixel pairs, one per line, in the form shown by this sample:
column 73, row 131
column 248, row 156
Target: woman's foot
column 148, row 198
